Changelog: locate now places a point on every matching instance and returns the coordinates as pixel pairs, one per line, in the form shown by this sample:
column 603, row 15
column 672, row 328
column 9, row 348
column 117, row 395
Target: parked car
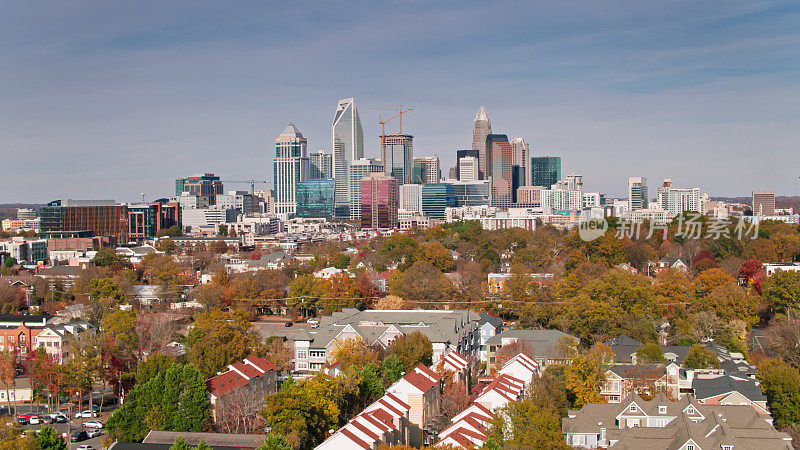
column 288, row 324
column 94, row 432
column 78, row 436
column 84, row 447
column 34, row 420
column 96, row 408
column 85, row 413
column 59, row 417
column 25, row 419
column 93, row 424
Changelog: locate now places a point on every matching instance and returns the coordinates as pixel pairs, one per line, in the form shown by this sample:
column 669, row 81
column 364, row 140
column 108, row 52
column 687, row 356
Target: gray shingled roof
column 711, row 387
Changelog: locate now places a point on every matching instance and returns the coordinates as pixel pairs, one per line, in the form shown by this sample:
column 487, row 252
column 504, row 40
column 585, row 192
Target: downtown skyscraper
column 347, row 144
column 290, row 167
column 481, row 128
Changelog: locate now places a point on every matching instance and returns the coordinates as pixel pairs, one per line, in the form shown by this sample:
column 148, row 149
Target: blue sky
column 102, row 99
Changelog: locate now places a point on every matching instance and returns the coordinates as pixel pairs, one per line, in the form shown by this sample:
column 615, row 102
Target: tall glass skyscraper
column 315, row 198
column 347, row 144
column 435, row 198
column 500, row 168
column 399, row 157
column 545, row 171
column 359, row 169
column 290, row 166
column 320, row 165
column 481, row 128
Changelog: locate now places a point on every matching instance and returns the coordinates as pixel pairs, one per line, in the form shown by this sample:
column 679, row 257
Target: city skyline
column 697, row 93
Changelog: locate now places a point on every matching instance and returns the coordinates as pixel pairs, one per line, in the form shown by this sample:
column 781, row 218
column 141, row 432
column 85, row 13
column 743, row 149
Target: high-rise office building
column 242, row 201
column 471, row 193
column 290, row 166
column 207, row 186
column 429, row 171
column 520, row 156
column 637, row 193
column 763, row 203
column 399, row 157
column 435, row 198
column 378, row 202
column 26, row 214
column 574, row 182
column 500, row 170
column 411, row 198
column 85, row 218
column 545, row 170
column 359, row 169
column 463, row 154
column 315, row 198
column 468, row 169
column 481, row 128
column 146, row 220
column 320, row 165
column 347, row 142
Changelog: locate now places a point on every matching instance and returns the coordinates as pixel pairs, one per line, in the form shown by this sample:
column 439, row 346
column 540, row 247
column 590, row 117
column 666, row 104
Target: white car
column 34, row 420
column 85, row 413
column 93, row 424
column 84, row 447
column 94, row 432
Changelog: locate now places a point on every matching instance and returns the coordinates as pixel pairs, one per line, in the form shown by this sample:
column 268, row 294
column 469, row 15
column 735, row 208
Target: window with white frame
column 302, row 354
column 662, row 409
column 632, row 408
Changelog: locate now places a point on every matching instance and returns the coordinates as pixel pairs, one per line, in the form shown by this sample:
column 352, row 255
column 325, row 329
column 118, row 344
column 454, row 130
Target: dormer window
column 662, row 409
column 632, row 408
column 690, row 410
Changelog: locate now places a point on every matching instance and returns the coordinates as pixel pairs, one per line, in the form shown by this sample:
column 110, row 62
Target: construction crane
column 400, row 111
column 252, row 183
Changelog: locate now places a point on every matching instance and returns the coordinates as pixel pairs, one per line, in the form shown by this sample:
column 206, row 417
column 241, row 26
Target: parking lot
column 269, row 328
column 66, row 429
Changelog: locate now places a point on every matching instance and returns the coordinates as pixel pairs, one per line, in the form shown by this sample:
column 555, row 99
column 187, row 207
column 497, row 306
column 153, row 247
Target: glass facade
column 347, row 143
column 358, row 170
column 400, row 157
column 436, row 197
column 315, row 198
column 290, row 166
column 545, row 170
column 474, row 193
column 378, row 202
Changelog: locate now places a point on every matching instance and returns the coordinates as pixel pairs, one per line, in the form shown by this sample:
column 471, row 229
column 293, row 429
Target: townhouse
column 684, row 424
column 544, row 346
column 448, row 331
column 242, row 387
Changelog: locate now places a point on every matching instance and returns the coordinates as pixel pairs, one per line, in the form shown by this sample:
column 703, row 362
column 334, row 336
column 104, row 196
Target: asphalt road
column 275, row 328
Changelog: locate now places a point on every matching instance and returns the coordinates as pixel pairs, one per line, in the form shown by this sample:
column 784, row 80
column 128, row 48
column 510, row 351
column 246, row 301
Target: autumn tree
column 276, row 351
column 781, row 384
column 700, row 357
column 584, row 376
column 352, row 352
column 782, row 290
column 119, row 344
column 421, row 283
column 708, row 280
column 434, row 253
column 220, row 338
column 649, row 353
column 302, row 411
column 392, row 302
column 412, row 350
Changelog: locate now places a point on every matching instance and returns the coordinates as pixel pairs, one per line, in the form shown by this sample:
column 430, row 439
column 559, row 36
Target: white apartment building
column 468, row 169
column 55, row 338
column 411, row 198
column 637, row 193
column 591, row 199
column 561, row 200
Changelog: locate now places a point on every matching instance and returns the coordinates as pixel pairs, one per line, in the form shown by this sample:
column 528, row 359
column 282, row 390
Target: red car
column 25, row 419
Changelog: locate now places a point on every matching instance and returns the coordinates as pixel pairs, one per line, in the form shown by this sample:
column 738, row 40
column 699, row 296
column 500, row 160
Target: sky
column 112, row 99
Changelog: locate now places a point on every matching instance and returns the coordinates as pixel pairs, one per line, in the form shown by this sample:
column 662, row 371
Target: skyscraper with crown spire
column 290, row 166
column 481, row 128
column 347, row 145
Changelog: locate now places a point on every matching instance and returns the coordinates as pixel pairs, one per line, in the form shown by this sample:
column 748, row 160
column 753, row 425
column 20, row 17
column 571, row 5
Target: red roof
column 420, row 382
column 240, row 373
column 357, row 440
column 426, row 371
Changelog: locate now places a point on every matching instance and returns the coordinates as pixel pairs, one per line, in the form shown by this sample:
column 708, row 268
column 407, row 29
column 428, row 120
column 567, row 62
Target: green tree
column 391, row 369
column 412, row 350
column 155, row 364
column 180, row 444
column 219, row 338
column 782, row 290
column 10, row 262
column 174, row 400
column 699, row 357
column 274, row 442
column 649, row 353
column 108, row 257
column 49, row 439
column 303, row 411
column 781, row 384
